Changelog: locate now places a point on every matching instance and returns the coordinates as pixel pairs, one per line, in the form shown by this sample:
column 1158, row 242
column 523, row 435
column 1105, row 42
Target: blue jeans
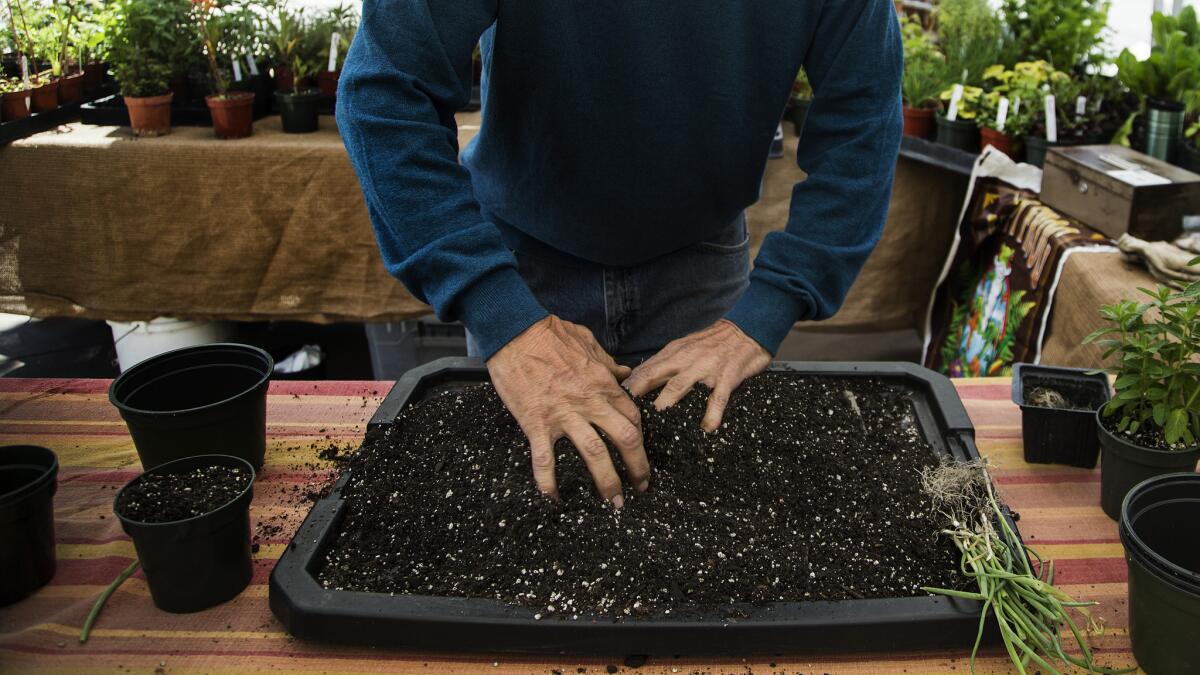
column 635, row 311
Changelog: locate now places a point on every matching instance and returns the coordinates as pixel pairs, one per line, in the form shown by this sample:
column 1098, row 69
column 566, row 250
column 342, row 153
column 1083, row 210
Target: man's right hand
column 558, row 381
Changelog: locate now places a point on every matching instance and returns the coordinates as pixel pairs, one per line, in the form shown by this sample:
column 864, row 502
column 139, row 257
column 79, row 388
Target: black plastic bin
column 28, row 481
column 311, row 612
column 1056, row 436
column 199, row 562
column 210, row 399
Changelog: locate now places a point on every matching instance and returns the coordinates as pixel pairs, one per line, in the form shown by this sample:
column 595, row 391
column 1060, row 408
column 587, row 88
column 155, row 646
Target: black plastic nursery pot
column 299, row 112
column 195, row 401
column 961, row 134
column 1124, row 464
column 1164, row 572
column 28, row 481
column 311, row 612
column 199, row 562
column 1060, row 436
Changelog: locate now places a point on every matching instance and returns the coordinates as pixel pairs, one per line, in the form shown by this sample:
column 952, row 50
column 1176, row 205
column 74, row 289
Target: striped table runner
column 1059, row 507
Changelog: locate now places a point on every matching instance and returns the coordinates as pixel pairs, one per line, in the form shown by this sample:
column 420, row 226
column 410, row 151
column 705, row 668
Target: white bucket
column 137, row 341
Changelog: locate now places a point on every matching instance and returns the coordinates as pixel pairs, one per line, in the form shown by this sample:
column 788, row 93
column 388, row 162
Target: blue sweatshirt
column 617, row 131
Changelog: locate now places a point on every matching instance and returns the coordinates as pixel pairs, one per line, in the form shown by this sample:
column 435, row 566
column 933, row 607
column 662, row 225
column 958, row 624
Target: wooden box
column 1115, row 190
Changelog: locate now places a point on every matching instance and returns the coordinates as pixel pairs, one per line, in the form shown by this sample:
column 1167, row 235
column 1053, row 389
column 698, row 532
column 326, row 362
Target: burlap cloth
column 98, row 224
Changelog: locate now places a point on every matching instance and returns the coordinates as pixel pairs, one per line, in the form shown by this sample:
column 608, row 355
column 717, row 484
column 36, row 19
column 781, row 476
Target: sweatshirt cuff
column 767, row 314
column 497, row 308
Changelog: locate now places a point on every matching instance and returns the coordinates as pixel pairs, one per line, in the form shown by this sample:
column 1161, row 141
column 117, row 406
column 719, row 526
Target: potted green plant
column 1168, row 79
column 961, row 131
column 1189, row 148
column 342, row 22
column 141, row 63
column 1067, row 34
column 298, row 106
column 288, row 32
column 232, row 111
column 43, row 93
column 1152, row 424
column 14, row 99
column 800, row 101
column 57, row 40
column 971, row 36
column 92, row 46
column 924, row 78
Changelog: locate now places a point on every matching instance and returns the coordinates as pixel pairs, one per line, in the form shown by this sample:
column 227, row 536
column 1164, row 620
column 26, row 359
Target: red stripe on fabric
column 37, row 385
column 1045, row 479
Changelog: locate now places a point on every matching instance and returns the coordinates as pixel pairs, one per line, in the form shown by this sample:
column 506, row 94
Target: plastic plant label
column 334, row 41
column 1080, row 106
column 251, row 64
column 1051, row 119
column 955, row 97
column 25, row 70
column 1016, row 108
column 1002, row 113
column 237, row 71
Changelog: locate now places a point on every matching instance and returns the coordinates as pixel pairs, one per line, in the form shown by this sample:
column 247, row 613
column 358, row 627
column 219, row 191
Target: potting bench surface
column 1059, row 508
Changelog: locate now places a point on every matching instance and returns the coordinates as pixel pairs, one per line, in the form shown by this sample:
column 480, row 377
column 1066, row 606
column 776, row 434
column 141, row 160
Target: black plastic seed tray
column 311, row 612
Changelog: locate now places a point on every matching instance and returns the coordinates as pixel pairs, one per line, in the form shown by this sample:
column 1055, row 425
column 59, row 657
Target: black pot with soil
column 436, row 536
column 197, row 401
column 1125, row 462
column 190, row 523
column 1058, row 413
column 28, row 481
column 299, row 112
column 1164, row 572
column 961, row 134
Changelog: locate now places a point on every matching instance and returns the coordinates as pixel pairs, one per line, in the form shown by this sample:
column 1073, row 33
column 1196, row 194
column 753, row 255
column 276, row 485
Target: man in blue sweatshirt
column 599, row 211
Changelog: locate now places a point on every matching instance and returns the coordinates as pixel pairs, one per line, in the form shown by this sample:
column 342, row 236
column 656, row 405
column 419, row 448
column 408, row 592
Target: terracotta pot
column 327, row 81
column 232, row 114
column 997, row 139
column 15, row 106
column 150, row 115
column 70, row 89
column 918, row 122
column 93, row 76
column 45, row 97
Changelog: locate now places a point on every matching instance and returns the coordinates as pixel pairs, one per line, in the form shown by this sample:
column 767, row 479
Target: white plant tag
column 25, row 70
column 1081, row 106
column 1002, row 113
column 955, row 97
column 250, row 63
column 334, row 41
column 237, row 71
column 1051, row 119
column 1016, row 109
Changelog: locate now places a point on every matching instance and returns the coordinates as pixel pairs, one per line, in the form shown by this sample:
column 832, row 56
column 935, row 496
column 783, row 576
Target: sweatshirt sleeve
column 848, row 151
column 406, row 74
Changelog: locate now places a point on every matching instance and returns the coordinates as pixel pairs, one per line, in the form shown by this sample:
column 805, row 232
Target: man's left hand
column 720, row 357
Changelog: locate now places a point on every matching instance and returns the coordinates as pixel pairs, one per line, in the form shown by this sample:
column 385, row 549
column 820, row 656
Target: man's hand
column 720, row 356
column 558, row 381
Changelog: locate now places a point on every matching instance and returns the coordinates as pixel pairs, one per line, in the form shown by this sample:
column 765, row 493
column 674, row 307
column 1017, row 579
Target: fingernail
column 617, row 501
column 644, row 485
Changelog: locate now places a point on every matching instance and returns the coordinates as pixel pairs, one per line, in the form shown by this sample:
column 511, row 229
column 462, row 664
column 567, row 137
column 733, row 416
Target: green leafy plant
column 342, row 20
column 1172, row 71
column 801, row 87
column 1193, row 134
column 925, row 70
column 140, row 46
column 1064, row 33
column 971, row 36
column 11, row 85
column 1029, row 610
column 968, row 106
column 1156, row 346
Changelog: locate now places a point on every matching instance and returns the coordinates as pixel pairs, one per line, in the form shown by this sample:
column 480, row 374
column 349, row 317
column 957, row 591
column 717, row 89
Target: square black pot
column 1053, row 436
column 311, row 612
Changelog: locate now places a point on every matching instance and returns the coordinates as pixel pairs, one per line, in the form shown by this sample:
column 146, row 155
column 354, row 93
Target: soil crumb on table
column 810, row 490
column 163, row 498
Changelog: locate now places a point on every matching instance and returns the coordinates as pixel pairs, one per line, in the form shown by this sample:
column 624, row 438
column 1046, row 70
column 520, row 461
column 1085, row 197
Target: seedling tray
column 36, row 123
column 311, row 612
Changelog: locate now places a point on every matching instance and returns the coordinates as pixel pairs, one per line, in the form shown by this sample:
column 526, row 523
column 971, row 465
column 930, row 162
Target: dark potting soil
column 1148, row 436
column 163, row 498
column 808, row 491
column 1061, row 395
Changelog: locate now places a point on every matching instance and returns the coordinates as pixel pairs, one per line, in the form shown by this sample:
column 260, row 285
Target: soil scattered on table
column 810, row 490
column 166, row 497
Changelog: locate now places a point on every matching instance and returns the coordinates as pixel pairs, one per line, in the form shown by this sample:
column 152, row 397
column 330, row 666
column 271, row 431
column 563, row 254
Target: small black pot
column 199, row 562
column 961, row 134
column 1053, row 436
column 196, row 401
column 1164, row 572
column 800, row 108
column 1124, row 464
column 1189, row 155
column 299, row 112
column 28, row 481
